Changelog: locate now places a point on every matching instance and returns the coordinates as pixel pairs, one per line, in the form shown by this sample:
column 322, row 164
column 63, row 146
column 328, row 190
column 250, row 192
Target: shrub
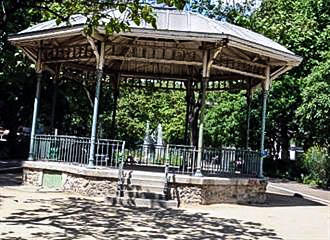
column 317, row 164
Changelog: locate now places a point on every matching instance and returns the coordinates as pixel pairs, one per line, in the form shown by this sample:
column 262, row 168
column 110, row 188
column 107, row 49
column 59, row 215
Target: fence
column 179, row 158
column 182, row 159
column 75, row 150
column 230, row 161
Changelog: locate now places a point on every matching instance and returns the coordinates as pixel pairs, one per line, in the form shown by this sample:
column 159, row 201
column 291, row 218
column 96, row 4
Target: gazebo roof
column 174, row 50
column 171, row 24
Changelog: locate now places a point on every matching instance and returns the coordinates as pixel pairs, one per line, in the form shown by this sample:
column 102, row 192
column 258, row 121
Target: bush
column 317, row 164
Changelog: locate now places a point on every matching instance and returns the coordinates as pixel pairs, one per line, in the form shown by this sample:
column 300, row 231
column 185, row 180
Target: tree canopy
column 99, row 13
column 298, row 104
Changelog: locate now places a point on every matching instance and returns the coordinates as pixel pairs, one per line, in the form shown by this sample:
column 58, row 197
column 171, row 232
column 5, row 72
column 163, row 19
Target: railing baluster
column 182, row 158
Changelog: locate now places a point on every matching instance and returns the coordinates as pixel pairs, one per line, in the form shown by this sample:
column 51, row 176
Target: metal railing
column 178, row 158
column 181, row 158
column 230, row 161
column 145, row 155
column 75, row 150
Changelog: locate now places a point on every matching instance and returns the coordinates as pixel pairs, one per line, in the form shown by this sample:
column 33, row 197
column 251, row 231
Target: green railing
column 75, row 150
column 230, row 161
column 178, row 158
column 182, row 159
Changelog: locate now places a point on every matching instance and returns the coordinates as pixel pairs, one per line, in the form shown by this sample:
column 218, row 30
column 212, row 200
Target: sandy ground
column 26, row 213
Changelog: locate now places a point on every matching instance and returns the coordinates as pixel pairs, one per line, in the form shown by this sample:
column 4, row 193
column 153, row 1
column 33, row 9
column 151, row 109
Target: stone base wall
column 32, row 176
column 187, row 190
column 252, row 192
column 91, row 186
column 84, row 185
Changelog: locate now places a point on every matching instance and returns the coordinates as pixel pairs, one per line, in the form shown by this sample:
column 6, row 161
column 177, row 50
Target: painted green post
column 205, row 79
column 265, row 89
column 99, row 74
column 198, row 172
column 54, row 99
column 208, row 60
column 34, row 118
column 99, row 55
column 248, row 100
column 115, row 94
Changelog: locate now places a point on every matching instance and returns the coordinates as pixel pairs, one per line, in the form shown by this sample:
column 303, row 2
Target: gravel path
column 293, row 186
column 26, row 213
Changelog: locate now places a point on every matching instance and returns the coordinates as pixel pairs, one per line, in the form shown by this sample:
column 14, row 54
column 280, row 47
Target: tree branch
column 64, row 19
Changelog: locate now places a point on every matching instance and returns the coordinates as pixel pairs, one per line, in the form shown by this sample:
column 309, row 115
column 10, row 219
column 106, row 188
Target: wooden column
column 99, row 54
column 39, row 69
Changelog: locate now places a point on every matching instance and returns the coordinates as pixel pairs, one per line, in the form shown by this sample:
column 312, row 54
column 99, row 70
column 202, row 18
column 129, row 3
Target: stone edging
column 113, row 173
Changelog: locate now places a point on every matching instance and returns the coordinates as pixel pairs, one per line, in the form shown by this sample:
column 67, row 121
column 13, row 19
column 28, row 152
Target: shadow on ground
column 10, row 179
column 75, row 218
column 279, row 200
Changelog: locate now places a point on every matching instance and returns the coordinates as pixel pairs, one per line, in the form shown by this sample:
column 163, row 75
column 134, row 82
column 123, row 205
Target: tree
column 303, row 27
column 98, row 13
column 230, row 11
column 135, row 108
column 313, row 115
column 17, row 73
column 225, row 120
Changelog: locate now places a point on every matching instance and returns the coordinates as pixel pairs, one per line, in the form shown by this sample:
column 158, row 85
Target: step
column 141, row 202
column 145, row 182
column 145, row 175
column 144, row 188
column 145, row 195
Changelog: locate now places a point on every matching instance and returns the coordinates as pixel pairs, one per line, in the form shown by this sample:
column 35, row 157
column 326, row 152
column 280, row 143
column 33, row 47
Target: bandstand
column 187, row 52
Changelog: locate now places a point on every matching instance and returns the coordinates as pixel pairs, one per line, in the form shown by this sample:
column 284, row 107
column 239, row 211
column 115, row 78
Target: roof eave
column 292, row 59
column 46, row 34
column 176, row 35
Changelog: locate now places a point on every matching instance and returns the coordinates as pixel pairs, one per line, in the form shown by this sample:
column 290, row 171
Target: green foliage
column 225, row 119
column 298, row 106
column 99, row 14
column 314, row 113
column 317, row 164
column 238, row 13
column 302, row 26
column 135, row 108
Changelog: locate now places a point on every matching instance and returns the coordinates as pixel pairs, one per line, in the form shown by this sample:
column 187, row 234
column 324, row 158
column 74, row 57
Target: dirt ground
column 26, row 213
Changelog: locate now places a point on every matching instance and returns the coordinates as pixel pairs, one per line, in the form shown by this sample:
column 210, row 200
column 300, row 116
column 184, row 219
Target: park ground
column 29, row 213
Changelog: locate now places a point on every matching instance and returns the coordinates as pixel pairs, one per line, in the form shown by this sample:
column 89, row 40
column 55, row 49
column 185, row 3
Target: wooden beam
column 29, row 54
column 212, row 59
column 279, row 72
column 97, row 36
column 137, row 44
column 226, row 69
column 244, row 61
column 153, row 60
column 69, row 60
column 239, row 53
column 80, row 67
column 95, row 50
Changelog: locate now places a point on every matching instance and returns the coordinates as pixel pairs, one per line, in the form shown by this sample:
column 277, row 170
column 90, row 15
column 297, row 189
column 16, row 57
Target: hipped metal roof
column 171, row 24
